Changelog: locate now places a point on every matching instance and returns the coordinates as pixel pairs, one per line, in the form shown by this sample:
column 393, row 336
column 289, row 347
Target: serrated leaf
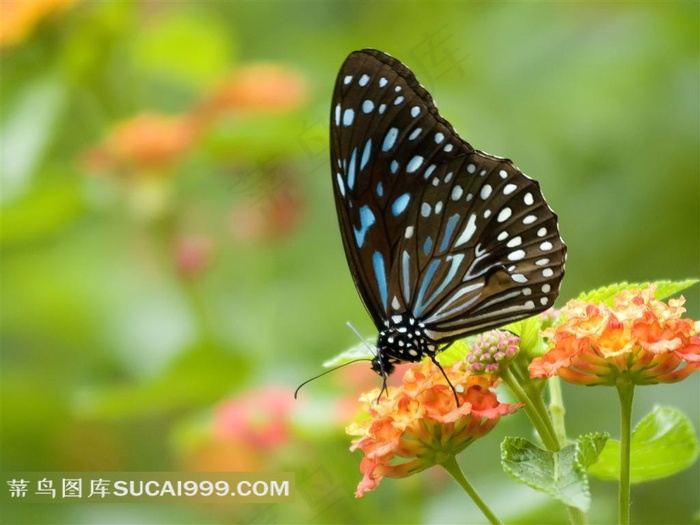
column 456, row 352
column 528, row 330
column 359, row 351
column 589, row 447
column 668, row 288
column 606, row 294
column 555, row 473
column 662, row 444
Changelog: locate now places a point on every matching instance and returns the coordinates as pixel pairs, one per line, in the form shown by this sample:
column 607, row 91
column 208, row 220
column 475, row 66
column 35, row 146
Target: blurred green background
column 172, row 266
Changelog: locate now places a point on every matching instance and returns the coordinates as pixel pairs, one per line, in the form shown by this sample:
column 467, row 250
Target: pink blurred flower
column 192, row 255
column 259, row 418
column 272, row 212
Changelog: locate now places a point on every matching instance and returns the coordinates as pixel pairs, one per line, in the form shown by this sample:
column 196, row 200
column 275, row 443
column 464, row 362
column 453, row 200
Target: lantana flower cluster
column 640, row 339
column 419, row 424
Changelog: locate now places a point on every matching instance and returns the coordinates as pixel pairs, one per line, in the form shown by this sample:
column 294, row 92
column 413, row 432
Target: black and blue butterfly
column 443, row 241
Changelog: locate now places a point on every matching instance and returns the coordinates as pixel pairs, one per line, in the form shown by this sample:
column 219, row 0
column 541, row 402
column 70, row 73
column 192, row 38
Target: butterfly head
column 382, row 366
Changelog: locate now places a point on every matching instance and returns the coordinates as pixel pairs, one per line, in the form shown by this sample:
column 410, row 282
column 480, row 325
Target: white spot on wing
column 504, row 215
column 516, row 255
column 468, row 231
column 515, row 241
column 341, row 184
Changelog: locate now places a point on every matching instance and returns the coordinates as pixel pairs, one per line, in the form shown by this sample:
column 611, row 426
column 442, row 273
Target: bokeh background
column 171, row 262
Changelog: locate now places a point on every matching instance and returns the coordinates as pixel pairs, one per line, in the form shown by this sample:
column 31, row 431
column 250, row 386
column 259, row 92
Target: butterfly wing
column 461, row 239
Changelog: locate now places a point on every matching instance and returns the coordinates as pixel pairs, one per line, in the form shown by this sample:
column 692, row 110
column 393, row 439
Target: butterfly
column 442, row 240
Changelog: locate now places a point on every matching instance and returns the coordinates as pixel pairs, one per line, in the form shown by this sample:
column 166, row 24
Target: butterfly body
column 443, row 241
column 402, row 340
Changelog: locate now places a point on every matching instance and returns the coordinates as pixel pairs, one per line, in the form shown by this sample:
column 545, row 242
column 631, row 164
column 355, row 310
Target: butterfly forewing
column 458, row 239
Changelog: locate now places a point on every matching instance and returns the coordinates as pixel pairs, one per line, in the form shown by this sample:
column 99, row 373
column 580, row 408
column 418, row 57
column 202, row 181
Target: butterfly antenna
column 359, row 336
column 328, row 372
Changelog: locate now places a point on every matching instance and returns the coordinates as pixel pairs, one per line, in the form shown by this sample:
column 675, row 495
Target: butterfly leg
column 435, row 362
column 383, row 374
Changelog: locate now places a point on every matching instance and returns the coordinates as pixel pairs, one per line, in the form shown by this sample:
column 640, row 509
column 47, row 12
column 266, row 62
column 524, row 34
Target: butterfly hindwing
column 460, row 240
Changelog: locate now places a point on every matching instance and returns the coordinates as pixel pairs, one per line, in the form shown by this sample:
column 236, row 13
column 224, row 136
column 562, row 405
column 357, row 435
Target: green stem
column 625, row 391
column 202, row 323
column 556, row 408
column 535, row 409
column 452, row 467
column 553, row 434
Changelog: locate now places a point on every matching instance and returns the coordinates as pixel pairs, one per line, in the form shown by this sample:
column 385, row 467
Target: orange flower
column 641, row 339
column 150, row 140
column 418, row 424
column 18, row 18
column 260, row 88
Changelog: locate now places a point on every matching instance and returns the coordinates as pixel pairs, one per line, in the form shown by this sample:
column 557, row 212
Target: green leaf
column 456, row 352
column 26, row 132
column 589, row 447
column 663, row 444
column 668, row 288
column 191, row 46
column 202, row 375
column 663, row 289
column 359, row 351
column 39, row 213
column 528, row 330
column 558, row 474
